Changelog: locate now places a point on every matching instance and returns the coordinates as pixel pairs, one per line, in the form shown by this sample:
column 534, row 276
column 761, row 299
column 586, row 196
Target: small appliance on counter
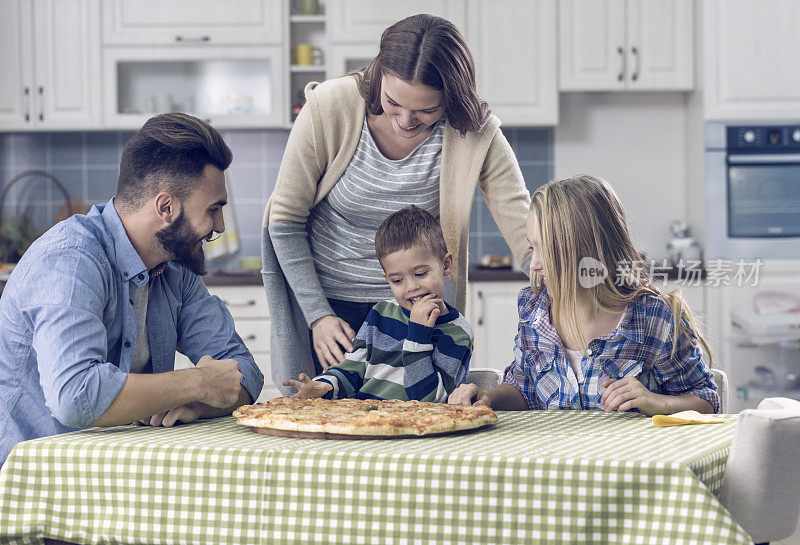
column 682, row 248
column 489, row 261
column 766, row 350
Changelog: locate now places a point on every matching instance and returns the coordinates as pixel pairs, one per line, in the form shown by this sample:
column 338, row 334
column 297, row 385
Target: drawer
column 243, row 301
column 269, row 390
column 204, row 22
column 255, row 334
column 262, row 360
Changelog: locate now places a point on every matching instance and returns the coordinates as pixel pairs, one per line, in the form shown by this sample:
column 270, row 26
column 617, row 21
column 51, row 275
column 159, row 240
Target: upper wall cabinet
column 227, row 65
column 355, row 26
column 751, row 59
column 611, row 45
column 16, row 63
column 514, row 45
column 359, row 21
column 150, row 22
column 50, row 56
column 230, row 87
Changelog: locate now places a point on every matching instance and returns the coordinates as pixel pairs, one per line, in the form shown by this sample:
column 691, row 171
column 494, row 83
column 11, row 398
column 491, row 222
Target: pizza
column 360, row 418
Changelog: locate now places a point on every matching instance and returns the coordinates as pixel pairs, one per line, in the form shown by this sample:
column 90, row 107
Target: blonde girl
column 594, row 333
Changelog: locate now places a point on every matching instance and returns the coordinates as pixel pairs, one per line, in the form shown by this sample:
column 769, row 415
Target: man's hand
column 307, row 388
column 332, row 337
column 221, row 381
column 184, row 414
column 469, row 394
column 628, row 393
column 426, row 310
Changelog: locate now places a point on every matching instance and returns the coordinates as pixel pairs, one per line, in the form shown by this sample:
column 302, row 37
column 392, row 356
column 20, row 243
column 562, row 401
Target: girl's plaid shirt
column 640, row 346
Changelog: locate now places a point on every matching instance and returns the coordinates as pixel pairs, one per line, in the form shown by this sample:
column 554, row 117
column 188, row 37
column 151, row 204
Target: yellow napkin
column 685, row 417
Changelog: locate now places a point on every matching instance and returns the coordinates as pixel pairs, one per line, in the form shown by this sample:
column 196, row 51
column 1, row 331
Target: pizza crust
column 360, row 418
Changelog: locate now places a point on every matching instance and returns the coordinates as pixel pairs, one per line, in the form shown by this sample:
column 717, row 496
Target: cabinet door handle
column 27, row 105
column 41, row 103
column 250, row 337
column 621, row 53
column 635, row 53
column 248, row 303
column 192, row 39
column 481, row 307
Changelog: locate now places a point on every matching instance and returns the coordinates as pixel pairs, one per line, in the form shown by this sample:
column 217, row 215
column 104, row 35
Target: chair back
column 761, row 485
column 721, row 380
column 485, row 378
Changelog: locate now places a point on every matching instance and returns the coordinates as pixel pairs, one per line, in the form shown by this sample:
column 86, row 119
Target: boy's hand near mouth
column 426, row 309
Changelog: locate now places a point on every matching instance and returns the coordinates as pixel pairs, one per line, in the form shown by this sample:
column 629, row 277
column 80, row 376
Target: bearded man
column 93, row 313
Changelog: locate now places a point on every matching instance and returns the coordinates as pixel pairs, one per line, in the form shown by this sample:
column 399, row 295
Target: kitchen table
column 534, row 477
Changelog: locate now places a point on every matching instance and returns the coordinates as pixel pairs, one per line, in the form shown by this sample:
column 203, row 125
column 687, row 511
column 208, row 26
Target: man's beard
column 180, row 241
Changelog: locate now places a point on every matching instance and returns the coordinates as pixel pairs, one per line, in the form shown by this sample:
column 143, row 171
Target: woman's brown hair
column 429, row 50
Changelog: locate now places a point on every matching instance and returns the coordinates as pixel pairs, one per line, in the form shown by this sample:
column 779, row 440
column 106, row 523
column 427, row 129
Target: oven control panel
column 764, row 139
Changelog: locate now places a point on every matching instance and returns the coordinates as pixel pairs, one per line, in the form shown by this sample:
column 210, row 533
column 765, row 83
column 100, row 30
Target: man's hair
column 168, row 153
column 407, row 227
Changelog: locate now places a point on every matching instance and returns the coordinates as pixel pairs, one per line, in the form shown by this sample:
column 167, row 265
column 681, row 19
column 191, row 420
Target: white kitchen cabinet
column 750, row 59
column 228, row 66
column 16, row 63
column 722, row 299
column 737, row 355
column 492, row 313
column 192, row 22
column 248, row 306
column 513, row 43
column 363, row 21
column 50, row 56
column 609, row 45
column 345, row 58
column 693, row 294
column 231, row 87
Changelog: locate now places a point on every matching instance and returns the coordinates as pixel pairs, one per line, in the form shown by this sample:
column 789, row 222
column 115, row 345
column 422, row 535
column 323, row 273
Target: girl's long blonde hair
column 582, row 217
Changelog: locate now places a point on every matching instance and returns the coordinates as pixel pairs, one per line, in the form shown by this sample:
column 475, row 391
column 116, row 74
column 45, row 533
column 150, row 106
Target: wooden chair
column 721, row 380
column 485, row 378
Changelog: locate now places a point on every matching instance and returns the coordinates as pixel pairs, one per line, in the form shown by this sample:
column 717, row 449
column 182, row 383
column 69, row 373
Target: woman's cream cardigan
column 320, row 146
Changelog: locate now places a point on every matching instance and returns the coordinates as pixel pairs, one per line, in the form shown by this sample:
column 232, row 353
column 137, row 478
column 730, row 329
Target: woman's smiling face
column 412, row 107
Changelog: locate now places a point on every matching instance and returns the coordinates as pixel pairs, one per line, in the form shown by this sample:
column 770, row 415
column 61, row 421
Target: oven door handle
column 765, row 159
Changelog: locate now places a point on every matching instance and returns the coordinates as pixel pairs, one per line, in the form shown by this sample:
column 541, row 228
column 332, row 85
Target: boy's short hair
column 407, row 227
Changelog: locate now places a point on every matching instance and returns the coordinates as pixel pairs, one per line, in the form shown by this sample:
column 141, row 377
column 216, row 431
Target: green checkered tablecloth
column 534, row 477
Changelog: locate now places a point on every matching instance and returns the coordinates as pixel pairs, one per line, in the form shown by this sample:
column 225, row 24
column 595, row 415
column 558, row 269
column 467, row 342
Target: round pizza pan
column 324, row 435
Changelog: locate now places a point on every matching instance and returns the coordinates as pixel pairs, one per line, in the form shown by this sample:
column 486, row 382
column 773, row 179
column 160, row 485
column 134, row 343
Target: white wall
column 637, row 142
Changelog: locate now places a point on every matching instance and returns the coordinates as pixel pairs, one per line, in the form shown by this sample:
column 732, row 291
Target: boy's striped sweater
column 394, row 358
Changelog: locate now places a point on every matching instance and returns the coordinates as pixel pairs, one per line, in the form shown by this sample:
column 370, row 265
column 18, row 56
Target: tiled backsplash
column 87, row 164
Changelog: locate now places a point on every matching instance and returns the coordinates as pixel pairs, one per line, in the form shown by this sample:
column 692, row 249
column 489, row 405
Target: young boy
column 414, row 347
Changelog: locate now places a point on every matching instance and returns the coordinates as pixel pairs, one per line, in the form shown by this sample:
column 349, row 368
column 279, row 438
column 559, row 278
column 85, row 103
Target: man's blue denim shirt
column 68, row 327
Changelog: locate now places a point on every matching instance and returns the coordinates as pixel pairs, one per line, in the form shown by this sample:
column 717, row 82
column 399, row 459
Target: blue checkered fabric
column 640, row 346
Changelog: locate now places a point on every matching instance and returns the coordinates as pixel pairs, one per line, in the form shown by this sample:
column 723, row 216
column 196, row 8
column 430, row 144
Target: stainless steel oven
column 753, row 191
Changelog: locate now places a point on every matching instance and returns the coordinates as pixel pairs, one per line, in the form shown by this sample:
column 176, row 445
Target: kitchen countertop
column 476, row 274
column 253, row 278
column 233, row 278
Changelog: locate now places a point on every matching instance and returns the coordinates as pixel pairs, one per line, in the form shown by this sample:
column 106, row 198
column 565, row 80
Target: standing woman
column 409, row 129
